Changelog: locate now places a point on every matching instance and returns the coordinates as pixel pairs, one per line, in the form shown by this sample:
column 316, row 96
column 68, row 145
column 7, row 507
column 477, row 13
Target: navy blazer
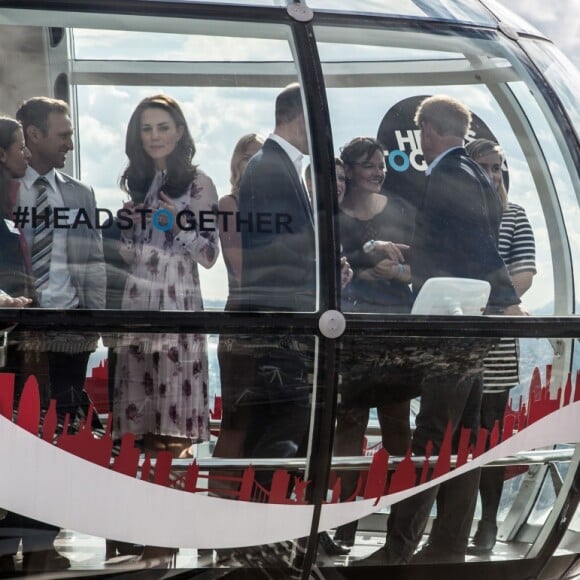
column 457, row 229
column 277, row 230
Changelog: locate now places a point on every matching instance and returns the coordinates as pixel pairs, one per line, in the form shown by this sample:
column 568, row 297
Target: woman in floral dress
column 161, row 380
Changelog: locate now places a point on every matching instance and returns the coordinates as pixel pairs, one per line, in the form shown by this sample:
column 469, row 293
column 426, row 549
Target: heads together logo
column 401, row 139
column 161, row 219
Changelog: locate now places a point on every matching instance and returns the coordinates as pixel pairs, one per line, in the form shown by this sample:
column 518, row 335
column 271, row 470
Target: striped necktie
column 43, row 235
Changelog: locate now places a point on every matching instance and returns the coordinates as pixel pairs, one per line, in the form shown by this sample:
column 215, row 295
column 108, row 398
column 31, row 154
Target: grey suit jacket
column 84, row 245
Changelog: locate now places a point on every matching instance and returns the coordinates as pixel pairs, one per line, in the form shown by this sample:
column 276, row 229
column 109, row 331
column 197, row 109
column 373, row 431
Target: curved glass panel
column 468, row 11
column 128, row 45
column 182, row 417
column 223, row 99
column 402, row 399
column 561, row 73
column 209, row 445
column 381, row 421
column 506, row 16
column 377, row 98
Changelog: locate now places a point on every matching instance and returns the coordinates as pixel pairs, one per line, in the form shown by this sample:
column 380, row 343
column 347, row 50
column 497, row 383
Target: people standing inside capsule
column 68, row 269
column 16, row 283
column 67, row 263
column 456, row 233
column 375, row 230
column 230, row 237
column 340, row 180
column 237, row 365
column 501, row 366
column 161, row 382
column 279, row 273
column 17, row 286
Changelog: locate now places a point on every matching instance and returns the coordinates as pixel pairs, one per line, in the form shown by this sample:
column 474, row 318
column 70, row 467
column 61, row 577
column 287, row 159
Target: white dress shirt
column 435, row 161
column 60, row 292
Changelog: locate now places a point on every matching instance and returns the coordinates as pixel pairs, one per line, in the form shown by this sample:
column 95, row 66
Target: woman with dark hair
column 17, row 290
column 501, row 366
column 374, row 232
column 161, row 380
column 15, row 276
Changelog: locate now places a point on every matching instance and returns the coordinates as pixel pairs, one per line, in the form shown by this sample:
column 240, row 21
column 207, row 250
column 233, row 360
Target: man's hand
column 7, row 301
column 515, row 310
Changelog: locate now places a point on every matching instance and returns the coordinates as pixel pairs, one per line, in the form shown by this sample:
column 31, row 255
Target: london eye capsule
column 288, row 289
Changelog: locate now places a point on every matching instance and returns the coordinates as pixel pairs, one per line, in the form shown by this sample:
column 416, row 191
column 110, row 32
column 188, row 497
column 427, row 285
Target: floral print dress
column 161, row 380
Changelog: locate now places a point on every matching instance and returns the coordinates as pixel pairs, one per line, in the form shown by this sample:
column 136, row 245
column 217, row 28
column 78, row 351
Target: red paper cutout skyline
column 378, row 481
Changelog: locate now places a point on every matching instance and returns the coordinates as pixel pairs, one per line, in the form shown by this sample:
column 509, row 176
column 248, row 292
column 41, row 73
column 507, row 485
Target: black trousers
column 455, row 398
column 67, row 378
column 279, row 404
column 492, row 478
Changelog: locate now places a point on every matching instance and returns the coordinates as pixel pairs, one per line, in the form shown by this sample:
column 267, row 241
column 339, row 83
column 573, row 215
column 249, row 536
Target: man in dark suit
column 456, row 234
column 278, row 274
column 278, row 268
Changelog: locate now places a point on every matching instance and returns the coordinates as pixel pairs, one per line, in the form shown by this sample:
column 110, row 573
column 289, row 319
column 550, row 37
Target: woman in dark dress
column 17, row 291
column 375, row 230
column 15, row 280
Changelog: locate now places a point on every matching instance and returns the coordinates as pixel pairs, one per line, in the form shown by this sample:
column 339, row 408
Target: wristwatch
column 369, row 246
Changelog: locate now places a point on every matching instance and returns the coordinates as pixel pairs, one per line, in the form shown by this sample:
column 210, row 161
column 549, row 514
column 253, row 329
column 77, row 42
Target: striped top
column 516, row 243
column 517, row 247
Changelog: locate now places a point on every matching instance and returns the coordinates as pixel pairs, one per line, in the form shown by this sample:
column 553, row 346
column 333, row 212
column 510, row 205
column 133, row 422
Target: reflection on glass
column 387, row 111
column 467, row 11
column 140, row 46
column 268, row 409
column 560, row 72
column 405, row 368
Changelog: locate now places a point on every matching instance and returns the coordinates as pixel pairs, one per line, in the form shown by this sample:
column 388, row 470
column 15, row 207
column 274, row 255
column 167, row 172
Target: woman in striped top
column 501, row 367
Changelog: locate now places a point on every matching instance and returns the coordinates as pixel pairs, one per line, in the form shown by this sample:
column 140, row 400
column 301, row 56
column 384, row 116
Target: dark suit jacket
column 457, row 229
column 14, row 279
column 278, row 259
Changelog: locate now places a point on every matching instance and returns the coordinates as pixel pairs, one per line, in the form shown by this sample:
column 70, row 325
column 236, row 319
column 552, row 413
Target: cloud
column 559, row 21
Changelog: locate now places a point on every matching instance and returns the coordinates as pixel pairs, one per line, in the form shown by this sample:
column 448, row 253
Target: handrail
column 361, row 462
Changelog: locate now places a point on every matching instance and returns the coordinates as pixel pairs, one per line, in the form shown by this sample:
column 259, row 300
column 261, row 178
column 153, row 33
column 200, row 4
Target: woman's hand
column 390, row 250
column 135, row 217
column 165, row 202
column 345, row 272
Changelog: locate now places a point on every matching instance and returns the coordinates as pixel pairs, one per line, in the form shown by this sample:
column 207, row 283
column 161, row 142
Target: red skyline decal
column 380, row 480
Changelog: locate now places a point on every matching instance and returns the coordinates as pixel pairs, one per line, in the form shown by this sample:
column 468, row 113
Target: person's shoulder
column 69, row 180
column 269, row 151
column 202, row 180
column 515, row 209
column 462, row 165
column 228, row 202
column 455, row 162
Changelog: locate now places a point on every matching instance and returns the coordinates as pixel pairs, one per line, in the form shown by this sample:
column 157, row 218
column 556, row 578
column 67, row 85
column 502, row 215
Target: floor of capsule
column 88, row 553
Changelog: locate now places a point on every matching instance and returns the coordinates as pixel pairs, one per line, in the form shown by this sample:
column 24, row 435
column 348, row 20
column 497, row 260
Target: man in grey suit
column 71, row 273
column 69, row 270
